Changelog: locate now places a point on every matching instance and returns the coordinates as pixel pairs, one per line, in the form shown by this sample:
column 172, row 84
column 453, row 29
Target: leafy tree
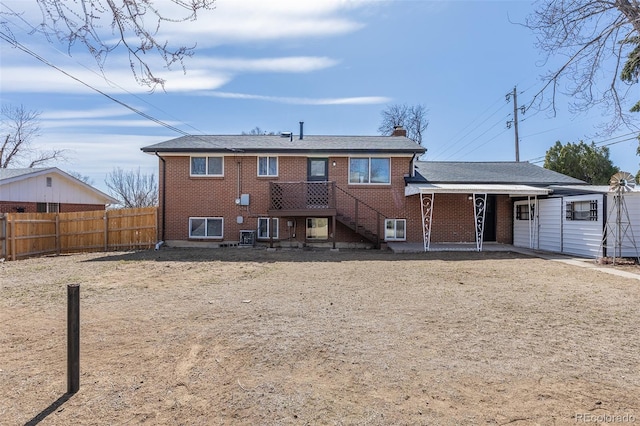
column 581, row 161
column 412, row 117
column 102, row 26
column 595, row 38
column 132, row 188
column 18, row 128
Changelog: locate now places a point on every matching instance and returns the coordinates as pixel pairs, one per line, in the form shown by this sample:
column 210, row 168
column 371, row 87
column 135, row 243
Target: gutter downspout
column 412, row 170
column 164, row 191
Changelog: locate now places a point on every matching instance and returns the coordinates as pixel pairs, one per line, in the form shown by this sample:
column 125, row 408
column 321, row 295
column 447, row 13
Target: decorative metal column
column 533, row 222
column 479, row 208
column 426, row 207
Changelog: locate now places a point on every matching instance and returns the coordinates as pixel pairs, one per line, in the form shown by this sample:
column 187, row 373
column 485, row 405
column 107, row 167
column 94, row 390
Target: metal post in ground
column 73, row 338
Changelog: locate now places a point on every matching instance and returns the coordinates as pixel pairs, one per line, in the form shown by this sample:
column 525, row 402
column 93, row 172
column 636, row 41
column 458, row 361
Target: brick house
column 48, row 190
column 333, row 191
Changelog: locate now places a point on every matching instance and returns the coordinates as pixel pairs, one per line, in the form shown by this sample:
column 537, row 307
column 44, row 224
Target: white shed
column 570, row 224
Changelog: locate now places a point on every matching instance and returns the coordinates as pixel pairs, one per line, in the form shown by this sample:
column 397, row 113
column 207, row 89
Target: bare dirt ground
column 246, row 336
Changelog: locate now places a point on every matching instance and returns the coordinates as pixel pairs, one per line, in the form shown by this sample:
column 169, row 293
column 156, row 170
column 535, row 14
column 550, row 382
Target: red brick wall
column 12, row 207
column 186, row 196
column 453, row 219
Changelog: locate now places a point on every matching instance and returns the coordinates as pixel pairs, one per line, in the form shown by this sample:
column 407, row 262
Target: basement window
column 395, row 229
column 581, row 210
column 263, row 227
column 206, row 227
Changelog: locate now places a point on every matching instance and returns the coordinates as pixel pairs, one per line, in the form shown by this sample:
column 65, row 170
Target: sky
column 333, row 64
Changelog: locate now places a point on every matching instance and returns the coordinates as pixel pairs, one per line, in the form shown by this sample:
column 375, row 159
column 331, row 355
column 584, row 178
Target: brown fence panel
column 82, row 231
column 32, row 234
column 131, row 228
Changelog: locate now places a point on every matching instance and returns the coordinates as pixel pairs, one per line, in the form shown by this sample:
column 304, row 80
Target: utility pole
column 515, row 120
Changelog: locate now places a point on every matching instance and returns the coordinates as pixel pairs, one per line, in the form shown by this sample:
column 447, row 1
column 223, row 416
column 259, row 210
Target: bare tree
column 594, row 38
column 19, row 127
column 134, row 26
column 412, row 117
column 132, row 188
column 257, row 131
column 84, row 178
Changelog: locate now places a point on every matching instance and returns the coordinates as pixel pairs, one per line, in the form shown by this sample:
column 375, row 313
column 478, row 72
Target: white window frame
column 368, row 180
column 307, row 229
column 49, row 207
column 276, row 225
column 221, row 219
column 395, row 229
column 269, row 159
column 581, row 210
column 206, row 166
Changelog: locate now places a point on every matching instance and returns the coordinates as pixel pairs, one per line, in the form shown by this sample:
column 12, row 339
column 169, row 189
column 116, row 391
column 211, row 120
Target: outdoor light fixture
column 334, row 163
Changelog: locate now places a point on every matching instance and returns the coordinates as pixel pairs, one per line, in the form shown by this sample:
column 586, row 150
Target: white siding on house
column 554, row 232
column 582, row 237
column 632, row 203
column 62, row 190
column 550, row 211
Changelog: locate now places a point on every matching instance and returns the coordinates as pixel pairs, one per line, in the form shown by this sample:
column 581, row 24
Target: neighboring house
column 47, row 190
column 337, row 191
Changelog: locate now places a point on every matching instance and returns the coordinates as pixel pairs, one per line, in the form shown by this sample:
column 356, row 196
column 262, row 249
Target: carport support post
column 73, row 338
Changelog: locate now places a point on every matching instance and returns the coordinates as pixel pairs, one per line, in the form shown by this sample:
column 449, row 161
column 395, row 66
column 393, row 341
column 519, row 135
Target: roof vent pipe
column 301, row 130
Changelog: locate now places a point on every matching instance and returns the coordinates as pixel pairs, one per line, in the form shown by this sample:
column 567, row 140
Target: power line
column 110, row 82
column 451, row 145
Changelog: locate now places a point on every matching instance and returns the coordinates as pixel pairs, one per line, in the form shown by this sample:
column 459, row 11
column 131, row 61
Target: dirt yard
column 246, row 336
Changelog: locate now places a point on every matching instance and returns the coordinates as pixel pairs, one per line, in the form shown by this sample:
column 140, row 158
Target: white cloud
column 259, row 20
column 360, row 100
column 292, row 64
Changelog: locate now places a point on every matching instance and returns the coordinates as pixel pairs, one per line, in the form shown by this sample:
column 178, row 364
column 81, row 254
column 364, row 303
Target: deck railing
column 302, row 195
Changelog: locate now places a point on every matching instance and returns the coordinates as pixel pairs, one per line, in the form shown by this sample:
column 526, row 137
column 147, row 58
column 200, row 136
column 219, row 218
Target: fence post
column 14, row 255
column 57, row 233
column 73, row 338
column 3, row 235
column 106, row 232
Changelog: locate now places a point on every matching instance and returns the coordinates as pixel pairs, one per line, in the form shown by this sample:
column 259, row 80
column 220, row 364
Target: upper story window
column 581, row 210
column 49, row 182
column 207, row 166
column 370, row 170
column 267, row 166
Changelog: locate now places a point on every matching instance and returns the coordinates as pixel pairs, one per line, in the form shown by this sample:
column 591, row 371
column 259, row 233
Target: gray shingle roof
column 489, row 172
column 279, row 144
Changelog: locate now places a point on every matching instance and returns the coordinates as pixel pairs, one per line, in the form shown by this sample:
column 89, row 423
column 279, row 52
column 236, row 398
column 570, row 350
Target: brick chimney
column 399, row 131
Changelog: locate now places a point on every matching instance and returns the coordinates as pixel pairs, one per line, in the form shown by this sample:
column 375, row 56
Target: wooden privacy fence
column 34, row 234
